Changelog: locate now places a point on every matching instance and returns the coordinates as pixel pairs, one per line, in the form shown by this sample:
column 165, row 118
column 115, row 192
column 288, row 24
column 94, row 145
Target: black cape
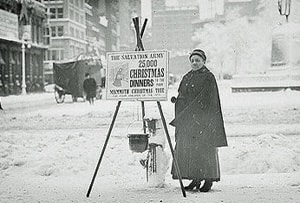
column 198, row 109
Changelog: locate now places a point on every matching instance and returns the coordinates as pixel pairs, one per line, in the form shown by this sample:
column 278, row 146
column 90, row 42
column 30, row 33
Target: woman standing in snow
column 199, row 126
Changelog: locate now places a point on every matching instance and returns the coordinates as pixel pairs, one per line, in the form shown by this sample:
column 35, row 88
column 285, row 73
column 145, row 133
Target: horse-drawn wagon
column 69, row 77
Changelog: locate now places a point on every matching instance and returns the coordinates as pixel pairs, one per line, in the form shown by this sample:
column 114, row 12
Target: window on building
column 76, row 3
column 60, row 31
column 46, row 31
column 57, row 31
column 34, row 32
column 77, row 34
column 72, row 31
column 39, row 34
column 57, row 12
column 60, row 12
column 81, row 19
column 62, row 54
column 53, row 31
column 77, row 51
column 47, row 55
column 72, row 50
column 54, row 55
column 76, row 17
column 71, row 14
column 53, row 13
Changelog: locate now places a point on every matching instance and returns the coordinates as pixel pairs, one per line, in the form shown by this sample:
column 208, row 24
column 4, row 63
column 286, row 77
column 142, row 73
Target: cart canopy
column 70, row 75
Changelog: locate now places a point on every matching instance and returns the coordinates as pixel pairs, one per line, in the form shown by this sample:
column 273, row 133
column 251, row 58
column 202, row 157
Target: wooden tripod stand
column 138, row 48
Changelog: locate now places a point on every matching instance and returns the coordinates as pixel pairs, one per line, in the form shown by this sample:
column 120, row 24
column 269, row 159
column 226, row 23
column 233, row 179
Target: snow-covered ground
column 49, row 151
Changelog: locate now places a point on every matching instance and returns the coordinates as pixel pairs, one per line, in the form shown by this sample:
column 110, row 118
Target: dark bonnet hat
column 198, row 52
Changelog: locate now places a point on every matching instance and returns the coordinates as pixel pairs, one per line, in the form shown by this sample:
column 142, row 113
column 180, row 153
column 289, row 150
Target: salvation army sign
column 137, row 75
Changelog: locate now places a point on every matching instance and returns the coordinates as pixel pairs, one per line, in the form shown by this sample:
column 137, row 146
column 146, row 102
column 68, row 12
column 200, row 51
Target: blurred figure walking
column 90, row 87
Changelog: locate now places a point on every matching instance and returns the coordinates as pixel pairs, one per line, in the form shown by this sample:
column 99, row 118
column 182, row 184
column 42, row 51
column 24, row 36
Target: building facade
column 80, row 28
column 113, row 28
column 19, row 21
column 128, row 9
column 67, row 29
column 172, row 29
column 96, row 24
column 174, row 24
column 58, row 31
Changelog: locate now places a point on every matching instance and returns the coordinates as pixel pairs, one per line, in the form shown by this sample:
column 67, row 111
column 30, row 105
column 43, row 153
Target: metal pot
column 138, row 142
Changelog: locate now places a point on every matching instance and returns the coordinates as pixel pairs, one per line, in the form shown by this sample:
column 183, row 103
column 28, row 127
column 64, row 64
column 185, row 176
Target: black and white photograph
column 149, row 101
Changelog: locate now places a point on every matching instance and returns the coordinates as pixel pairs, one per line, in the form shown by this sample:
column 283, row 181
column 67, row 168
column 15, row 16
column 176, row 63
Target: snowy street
column 49, row 151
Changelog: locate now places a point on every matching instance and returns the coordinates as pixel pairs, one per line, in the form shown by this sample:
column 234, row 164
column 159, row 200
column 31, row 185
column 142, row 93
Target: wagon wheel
column 59, row 96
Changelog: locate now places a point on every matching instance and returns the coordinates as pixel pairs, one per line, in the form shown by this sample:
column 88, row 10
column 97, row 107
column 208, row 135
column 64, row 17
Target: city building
column 208, row 9
column 58, row 31
column 67, row 32
column 96, row 24
column 172, row 29
column 128, row 9
column 81, row 28
column 113, row 29
column 21, row 32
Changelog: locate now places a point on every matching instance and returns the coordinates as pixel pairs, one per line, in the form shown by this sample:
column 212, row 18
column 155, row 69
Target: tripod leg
column 147, row 166
column 171, row 148
column 104, row 147
column 143, row 115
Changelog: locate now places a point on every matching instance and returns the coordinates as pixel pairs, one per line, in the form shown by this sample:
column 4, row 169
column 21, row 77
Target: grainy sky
column 146, row 7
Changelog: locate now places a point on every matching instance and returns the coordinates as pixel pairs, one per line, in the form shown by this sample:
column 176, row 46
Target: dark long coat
column 199, row 126
column 90, row 87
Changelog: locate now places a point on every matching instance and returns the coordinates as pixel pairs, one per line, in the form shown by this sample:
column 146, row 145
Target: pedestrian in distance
column 90, row 87
column 199, row 126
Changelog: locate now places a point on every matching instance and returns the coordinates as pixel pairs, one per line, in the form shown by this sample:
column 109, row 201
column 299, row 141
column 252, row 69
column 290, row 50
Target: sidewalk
column 245, row 188
column 25, row 101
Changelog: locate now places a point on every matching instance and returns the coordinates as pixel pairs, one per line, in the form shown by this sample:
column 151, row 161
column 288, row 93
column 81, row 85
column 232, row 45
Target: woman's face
column 197, row 62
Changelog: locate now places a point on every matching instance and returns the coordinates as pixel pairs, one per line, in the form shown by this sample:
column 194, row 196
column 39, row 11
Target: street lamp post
column 24, row 43
column 23, row 69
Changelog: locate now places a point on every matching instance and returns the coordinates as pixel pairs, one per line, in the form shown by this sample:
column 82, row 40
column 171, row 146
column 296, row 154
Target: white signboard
column 8, row 25
column 137, row 75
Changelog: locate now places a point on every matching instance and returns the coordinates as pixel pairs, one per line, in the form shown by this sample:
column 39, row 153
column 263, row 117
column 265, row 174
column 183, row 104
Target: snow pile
column 266, row 153
column 157, row 178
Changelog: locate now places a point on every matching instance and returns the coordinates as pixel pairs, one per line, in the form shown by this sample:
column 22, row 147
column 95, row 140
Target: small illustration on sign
column 120, row 73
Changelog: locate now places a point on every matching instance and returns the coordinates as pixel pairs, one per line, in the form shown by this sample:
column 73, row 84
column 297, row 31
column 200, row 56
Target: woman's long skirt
column 195, row 160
